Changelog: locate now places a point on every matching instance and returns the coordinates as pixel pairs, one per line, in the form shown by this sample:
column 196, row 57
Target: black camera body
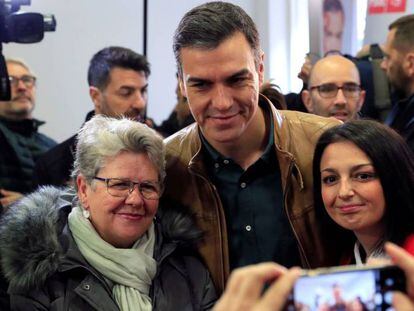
column 19, row 27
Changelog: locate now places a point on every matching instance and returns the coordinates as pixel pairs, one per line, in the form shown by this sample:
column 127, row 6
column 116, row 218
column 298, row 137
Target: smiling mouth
column 350, row 208
column 130, row 216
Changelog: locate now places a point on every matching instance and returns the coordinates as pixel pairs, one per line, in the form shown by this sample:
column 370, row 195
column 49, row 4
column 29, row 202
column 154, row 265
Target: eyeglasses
column 28, row 81
column 122, row 188
column 330, row 90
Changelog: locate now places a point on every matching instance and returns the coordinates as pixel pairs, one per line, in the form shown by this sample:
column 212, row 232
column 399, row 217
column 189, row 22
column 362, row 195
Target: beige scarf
column 131, row 270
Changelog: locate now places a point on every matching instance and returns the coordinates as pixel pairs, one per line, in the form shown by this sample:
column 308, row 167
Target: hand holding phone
column 348, row 288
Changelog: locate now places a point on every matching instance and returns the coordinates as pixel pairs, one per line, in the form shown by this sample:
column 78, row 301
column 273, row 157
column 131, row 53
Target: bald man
column 334, row 89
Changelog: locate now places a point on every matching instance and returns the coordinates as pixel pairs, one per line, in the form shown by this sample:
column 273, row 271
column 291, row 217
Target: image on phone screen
column 347, row 291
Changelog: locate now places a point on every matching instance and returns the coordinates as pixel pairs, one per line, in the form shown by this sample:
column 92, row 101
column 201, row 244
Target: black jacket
column 55, row 166
column 401, row 119
column 20, row 146
column 46, row 270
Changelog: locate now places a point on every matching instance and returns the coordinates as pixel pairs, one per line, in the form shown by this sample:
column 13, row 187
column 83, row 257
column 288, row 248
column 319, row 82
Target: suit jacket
column 55, row 166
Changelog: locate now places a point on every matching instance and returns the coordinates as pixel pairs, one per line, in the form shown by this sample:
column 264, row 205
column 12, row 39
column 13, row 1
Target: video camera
column 19, row 27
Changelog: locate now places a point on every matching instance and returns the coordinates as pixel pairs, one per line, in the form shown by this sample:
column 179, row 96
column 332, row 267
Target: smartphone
column 347, row 288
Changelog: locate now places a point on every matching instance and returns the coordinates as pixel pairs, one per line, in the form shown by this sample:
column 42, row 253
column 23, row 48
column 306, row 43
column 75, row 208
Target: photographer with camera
column 20, row 142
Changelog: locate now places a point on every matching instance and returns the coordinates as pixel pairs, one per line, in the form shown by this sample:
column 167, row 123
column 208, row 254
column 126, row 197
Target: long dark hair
column 393, row 161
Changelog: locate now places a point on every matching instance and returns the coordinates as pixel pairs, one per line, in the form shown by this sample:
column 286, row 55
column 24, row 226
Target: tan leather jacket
column 187, row 182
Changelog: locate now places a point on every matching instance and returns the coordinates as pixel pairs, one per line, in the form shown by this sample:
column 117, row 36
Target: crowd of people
column 224, row 212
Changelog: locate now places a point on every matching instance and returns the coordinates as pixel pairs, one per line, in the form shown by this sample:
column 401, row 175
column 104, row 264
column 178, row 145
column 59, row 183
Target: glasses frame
column 29, row 83
column 132, row 185
column 318, row 87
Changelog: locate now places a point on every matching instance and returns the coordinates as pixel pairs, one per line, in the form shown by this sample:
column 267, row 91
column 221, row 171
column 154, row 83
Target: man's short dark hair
column 208, row 25
column 108, row 58
column 404, row 35
column 332, row 6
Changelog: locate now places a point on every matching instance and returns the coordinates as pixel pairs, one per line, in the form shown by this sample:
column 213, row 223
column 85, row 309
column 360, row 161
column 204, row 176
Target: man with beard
column 334, row 89
column 20, row 142
column 118, row 82
column 398, row 64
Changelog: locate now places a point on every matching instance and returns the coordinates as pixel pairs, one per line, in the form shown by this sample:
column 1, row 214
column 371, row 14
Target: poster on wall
column 333, row 17
column 332, row 26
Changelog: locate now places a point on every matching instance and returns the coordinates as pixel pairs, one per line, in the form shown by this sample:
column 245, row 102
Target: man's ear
column 82, row 190
column 183, row 89
column 96, row 97
column 361, row 100
column 409, row 64
column 261, row 68
column 307, row 101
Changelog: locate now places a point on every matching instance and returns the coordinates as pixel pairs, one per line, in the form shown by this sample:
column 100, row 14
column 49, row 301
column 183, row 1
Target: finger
column 264, row 271
column 6, row 192
column 276, row 296
column 400, row 257
column 401, row 302
column 252, row 286
column 4, row 201
column 378, row 261
column 405, row 261
column 246, row 284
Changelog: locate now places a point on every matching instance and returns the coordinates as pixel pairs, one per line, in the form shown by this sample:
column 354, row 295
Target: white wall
column 61, row 60
column 377, row 24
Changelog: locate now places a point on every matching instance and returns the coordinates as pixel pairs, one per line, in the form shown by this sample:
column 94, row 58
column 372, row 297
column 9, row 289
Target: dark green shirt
column 257, row 225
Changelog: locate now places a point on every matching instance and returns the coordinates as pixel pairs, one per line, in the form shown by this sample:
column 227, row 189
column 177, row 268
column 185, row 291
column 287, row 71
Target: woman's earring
column 86, row 213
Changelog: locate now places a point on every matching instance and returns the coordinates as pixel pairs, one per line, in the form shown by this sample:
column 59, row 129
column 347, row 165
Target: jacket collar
column 282, row 144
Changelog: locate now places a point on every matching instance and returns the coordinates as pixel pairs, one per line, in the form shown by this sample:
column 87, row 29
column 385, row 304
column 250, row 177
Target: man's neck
column 410, row 90
column 251, row 145
column 15, row 117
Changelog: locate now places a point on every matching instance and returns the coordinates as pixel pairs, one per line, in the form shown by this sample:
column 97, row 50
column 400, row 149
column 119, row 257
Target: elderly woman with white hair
column 106, row 248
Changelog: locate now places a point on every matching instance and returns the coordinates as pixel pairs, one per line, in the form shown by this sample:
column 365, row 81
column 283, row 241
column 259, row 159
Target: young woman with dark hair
column 363, row 189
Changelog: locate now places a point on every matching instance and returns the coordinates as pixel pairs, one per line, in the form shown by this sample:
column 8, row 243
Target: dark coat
column 46, row 270
column 401, row 119
column 20, row 146
column 55, row 166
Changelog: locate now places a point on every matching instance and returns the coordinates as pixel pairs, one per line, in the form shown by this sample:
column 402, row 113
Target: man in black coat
column 118, row 83
column 398, row 63
column 21, row 144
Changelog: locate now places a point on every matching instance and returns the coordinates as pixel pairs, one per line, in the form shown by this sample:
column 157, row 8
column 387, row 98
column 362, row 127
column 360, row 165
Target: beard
column 133, row 113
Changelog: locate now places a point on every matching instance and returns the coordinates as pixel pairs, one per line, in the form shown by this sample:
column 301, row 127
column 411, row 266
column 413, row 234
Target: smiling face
column 125, row 94
column 120, row 221
column 351, row 191
column 222, row 88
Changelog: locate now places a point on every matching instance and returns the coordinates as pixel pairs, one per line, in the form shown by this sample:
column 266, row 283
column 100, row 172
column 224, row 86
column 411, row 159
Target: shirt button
column 216, row 165
column 86, row 287
column 243, row 185
column 248, row 228
column 226, row 161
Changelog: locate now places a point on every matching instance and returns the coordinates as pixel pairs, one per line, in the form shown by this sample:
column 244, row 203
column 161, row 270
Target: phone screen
column 358, row 290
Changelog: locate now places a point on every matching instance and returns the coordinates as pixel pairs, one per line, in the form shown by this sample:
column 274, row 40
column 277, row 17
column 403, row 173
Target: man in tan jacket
column 244, row 168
